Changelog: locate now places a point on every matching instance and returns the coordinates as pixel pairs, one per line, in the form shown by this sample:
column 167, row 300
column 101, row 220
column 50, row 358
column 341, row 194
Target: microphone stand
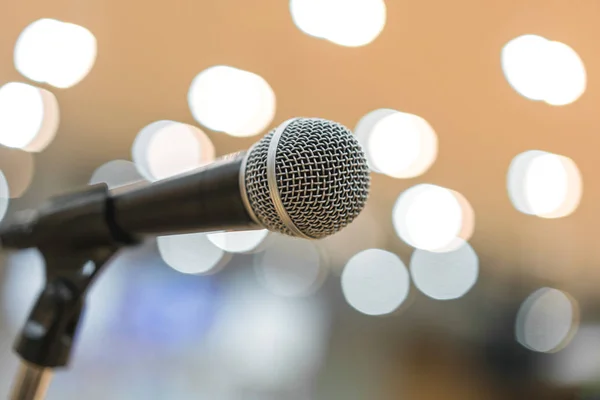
column 32, row 382
column 46, row 340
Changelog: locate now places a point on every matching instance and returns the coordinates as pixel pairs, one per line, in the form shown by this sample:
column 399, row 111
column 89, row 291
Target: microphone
column 307, row 178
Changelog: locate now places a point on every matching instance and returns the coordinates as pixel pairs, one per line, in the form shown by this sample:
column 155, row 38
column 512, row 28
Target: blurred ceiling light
column 375, row 282
column 310, row 16
column 544, row 184
column 523, row 62
column 54, row 52
column 364, row 128
column 4, row 196
column 350, row 23
column 17, row 167
column 290, row 267
column 240, row 241
column 540, row 69
column 397, row 144
column 24, row 280
column 266, row 342
column 28, row 117
column 231, row 100
column 567, row 74
column 116, row 173
column 191, row 253
column 430, row 217
column 167, row 148
column 547, row 320
column 445, row 276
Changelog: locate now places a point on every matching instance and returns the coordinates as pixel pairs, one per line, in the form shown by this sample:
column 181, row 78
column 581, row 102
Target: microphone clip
column 76, row 236
column 48, row 335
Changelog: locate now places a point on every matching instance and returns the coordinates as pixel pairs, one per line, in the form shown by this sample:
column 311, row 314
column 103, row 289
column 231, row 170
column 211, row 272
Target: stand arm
column 71, row 232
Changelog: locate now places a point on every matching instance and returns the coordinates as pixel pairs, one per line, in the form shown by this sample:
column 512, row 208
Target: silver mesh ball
column 321, row 174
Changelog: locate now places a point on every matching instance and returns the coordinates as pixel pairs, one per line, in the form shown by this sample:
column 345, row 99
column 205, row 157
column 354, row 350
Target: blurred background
column 471, row 274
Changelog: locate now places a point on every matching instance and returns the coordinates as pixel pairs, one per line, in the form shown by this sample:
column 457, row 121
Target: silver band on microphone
column 272, row 181
column 243, row 190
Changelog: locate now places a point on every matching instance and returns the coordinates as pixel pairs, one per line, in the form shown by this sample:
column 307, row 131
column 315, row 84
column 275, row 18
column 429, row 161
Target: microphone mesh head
column 317, row 181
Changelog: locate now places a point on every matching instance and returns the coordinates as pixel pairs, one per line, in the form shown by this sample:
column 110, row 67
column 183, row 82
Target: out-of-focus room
column 472, row 272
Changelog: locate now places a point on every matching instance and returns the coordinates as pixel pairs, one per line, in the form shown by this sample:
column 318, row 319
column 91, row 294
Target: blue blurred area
column 164, row 307
column 142, row 304
column 140, row 318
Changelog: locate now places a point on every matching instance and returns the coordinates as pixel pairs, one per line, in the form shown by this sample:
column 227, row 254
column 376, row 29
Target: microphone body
column 307, row 178
column 207, row 199
column 204, row 200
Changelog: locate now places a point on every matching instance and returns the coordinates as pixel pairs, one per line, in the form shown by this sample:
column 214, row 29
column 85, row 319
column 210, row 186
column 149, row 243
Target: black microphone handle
column 204, row 200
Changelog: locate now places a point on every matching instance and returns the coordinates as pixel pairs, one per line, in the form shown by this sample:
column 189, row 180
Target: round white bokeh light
column 445, row 276
column 541, row 69
column 350, row 23
column 231, row 100
column 397, row 144
column 167, row 148
column 290, row 267
column 4, row 196
column 116, row 173
column 191, row 253
column 433, row 218
column 375, row 282
column 266, row 341
column 54, row 52
column 28, row 117
column 567, row 73
column 544, row 184
column 240, row 241
column 547, row 320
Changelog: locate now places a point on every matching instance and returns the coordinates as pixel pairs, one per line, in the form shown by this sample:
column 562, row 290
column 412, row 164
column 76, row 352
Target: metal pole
column 31, row 383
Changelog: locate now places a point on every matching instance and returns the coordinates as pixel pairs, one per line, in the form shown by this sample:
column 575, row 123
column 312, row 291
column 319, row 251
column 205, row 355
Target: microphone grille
column 308, row 177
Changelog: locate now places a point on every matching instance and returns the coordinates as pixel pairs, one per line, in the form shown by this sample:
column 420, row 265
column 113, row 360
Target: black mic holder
column 76, row 236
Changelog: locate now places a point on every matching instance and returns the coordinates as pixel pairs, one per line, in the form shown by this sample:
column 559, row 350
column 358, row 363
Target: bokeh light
column 116, row 173
column 445, row 276
column 567, row 75
column 579, row 362
column 54, row 52
column 364, row 128
column 18, row 167
column 4, row 196
column 397, row 144
column 375, row 282
column 547, row 320
column 343, row 245
column 290, row 267
column 239, row 242
column 544, row 184
column 167, row 148
column 540, row 69
column 29, row 117
column 433, row 218
column 191, row 253
column 231, row 100
column 267, row 342
column 350, row 23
